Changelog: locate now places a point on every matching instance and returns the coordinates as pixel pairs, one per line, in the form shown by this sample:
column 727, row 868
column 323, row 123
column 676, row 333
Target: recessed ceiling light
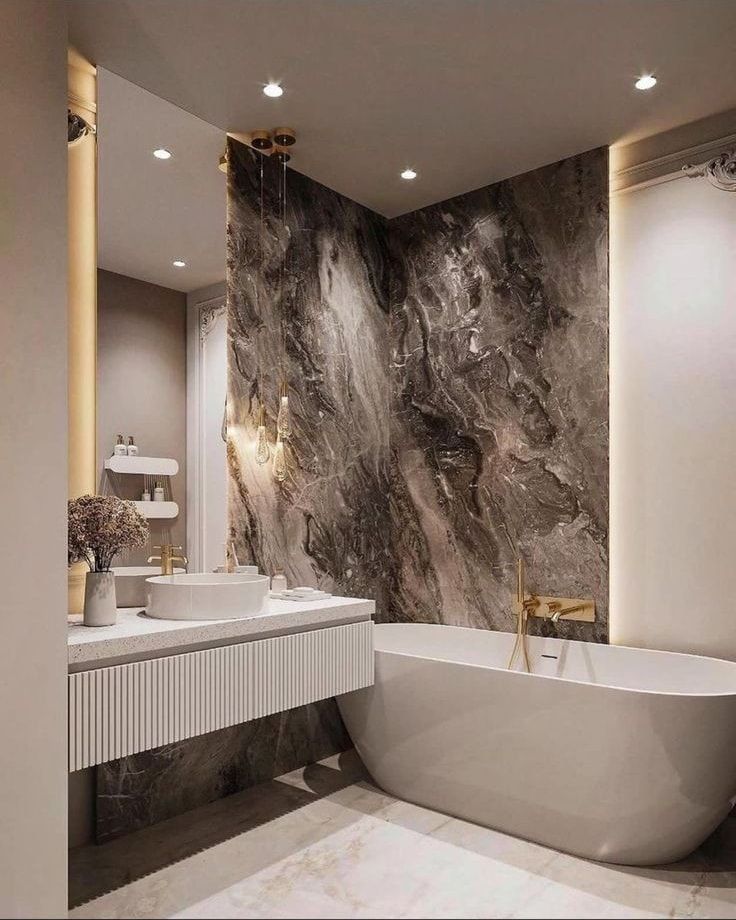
column 179, row 263
column 409, row 174
column 646, row 81
column 162, row 154
column 274, row 90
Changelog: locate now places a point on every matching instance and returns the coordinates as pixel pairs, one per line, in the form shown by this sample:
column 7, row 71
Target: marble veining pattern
column 499, row 414
column 325, row 842
column 146, row 788
column 448, row 382
column 322, row 280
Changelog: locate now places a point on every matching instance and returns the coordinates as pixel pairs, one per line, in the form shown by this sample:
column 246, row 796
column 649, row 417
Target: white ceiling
column 154, row 211
column 467, row 91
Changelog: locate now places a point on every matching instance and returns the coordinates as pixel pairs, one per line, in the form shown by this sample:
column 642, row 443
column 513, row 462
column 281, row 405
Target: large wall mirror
column 161, row 345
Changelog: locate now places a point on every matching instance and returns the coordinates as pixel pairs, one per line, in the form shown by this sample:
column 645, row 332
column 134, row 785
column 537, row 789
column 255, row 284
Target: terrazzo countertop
column 137, row 636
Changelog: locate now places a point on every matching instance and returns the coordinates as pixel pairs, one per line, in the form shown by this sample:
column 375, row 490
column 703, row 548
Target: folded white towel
column 299, row 594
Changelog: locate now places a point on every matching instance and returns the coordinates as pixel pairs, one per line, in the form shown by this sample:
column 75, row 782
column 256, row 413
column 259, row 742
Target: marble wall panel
column 499, row 413
column 309, row 303
column 146, row 788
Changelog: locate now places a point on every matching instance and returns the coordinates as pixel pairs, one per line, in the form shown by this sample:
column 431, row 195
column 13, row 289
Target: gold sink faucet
column 168, row 557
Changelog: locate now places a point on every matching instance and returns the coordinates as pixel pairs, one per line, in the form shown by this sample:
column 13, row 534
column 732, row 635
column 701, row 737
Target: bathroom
column 367, row 450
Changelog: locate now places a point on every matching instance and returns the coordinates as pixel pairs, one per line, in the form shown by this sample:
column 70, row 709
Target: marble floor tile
column 325, row 842
column 374, row 868
column 512, row 851
column 629, row 891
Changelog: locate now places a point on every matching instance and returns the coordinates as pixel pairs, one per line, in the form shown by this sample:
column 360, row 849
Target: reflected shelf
column 147, row 466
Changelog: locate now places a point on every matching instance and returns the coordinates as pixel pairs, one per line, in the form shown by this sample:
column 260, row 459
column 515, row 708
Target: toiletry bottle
column 146, row 496
column 120, row 449
column 278, row 582
column 158, row 493
column 132, row 447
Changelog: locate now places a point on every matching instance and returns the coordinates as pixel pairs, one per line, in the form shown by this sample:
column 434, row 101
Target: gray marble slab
column 308, row 303
column 499, row 408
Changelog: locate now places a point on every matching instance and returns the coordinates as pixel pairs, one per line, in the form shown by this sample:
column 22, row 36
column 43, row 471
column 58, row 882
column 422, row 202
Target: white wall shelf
column 157, row 510
column 151, row 466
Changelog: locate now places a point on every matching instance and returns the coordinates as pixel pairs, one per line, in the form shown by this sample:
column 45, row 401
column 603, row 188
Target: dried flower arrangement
column 100, row 526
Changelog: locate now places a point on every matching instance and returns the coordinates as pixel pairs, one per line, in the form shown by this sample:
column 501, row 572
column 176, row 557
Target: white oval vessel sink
column 206, row 597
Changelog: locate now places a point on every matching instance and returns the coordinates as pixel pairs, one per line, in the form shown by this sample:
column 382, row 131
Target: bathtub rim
column 565, row 680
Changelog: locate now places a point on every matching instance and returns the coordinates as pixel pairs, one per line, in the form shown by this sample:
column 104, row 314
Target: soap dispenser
column 120, row 449
column 278, row 582
column 158, row 493
column 132, row 447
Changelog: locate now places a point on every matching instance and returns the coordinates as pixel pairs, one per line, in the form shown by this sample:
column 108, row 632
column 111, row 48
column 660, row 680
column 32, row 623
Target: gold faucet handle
column 168, row 549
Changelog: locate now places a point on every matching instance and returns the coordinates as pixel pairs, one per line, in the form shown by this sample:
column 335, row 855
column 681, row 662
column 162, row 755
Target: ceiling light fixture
column 274, row 90
column 162, row 154
column 409, row 173
column 179, row 263
column 646, row 81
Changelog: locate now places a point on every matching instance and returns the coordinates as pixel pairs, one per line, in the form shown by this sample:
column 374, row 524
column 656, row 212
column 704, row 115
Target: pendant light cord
column 259, row 282
column 283, row 277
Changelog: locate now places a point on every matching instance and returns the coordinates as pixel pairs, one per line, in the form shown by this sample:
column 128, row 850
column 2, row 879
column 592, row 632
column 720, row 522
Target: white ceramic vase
column 100, row 608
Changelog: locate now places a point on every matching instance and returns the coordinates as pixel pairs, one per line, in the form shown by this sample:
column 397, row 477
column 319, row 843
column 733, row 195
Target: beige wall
column 141, row 385
column 673, row 438
column 33, row 459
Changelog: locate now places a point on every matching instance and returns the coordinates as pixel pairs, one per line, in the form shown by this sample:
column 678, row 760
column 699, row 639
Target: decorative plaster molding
column 720, row 171
column 670, row 166
column 209, row 312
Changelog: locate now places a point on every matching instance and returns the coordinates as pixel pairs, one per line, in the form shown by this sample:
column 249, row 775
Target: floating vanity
column 144, row 682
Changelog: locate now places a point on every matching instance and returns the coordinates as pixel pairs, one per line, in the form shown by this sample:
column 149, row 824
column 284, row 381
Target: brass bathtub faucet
column 581, row 609
column 545, row 607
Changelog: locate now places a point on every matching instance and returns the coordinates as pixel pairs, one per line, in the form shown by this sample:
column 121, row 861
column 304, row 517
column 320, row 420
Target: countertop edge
column 107, row 648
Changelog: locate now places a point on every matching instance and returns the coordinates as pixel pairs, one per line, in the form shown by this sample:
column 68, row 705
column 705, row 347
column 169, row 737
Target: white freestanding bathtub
column 616, row 754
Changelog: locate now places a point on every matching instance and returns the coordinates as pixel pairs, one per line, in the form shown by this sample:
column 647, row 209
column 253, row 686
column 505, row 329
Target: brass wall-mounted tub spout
column 557, row 611
column 546, row 608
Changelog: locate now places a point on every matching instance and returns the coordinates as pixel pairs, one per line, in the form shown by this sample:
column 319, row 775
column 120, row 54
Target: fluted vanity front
column 143, row 682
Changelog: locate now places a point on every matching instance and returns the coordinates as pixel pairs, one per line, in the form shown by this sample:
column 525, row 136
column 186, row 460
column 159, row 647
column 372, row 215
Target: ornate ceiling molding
column 672, row 165
column 720, row 171
column 209, row 312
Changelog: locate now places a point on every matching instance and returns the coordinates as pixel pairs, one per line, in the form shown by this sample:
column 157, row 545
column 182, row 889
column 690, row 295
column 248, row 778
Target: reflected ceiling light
column 646, row 81
column 409, row 173
column 179, row 263
column 162, row 154
column 274, row 90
